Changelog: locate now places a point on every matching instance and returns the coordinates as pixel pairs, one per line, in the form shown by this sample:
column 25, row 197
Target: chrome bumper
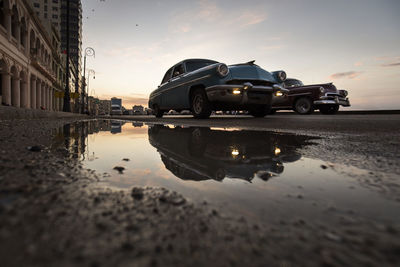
column 333, row 101
column 224, row 93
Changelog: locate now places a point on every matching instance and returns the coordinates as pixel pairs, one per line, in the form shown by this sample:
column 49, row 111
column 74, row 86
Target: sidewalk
column 12, row 113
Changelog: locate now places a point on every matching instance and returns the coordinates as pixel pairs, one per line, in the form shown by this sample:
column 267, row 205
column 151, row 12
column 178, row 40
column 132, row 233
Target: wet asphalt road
column 54, row 213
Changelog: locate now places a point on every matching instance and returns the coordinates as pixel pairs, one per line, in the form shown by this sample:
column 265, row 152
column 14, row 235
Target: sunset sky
column 353, row 43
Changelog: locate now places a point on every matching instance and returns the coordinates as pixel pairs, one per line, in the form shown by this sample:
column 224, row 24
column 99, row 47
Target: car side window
column 178, row 70
column 167, row 76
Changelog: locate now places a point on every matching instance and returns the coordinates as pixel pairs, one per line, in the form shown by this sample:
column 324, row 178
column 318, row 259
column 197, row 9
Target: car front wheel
column 157, row 111
column 303, row 106
column 329, row 109
column 201, row 107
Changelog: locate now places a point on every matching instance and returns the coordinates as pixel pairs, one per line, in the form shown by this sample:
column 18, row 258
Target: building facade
column 27, row 63
column 49, row 11
column 53, row 14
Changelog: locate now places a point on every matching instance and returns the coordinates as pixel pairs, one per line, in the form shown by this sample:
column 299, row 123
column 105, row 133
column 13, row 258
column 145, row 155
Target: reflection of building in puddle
column 116, row 126
column 202, row 153
column 72, row 138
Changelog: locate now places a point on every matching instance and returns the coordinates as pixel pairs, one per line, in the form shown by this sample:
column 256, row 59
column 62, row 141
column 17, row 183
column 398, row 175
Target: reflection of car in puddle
column 116, row 126
column 204, row 153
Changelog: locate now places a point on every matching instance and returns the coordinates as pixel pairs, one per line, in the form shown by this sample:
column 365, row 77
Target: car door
column 172, row 94
column 163, row 89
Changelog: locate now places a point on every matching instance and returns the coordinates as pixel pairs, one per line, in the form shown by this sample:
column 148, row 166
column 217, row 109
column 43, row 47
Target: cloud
column 208, row 12
column 271, row 47
column 344, row 75
column 251, row 18
column 395, row 64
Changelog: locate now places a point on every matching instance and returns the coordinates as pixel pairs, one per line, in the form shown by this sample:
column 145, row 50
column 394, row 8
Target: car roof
column 195, row 59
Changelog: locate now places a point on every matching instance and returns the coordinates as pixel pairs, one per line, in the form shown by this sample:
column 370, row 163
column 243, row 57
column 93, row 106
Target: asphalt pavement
column 53, row 212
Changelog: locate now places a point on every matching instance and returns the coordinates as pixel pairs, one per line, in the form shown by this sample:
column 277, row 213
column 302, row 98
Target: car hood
column 250, row 72
column 327, row 86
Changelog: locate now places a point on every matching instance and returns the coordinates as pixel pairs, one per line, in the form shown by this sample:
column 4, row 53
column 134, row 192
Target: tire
column 329, row 109
column 260, row 111
column 200, row 106
column 272, row 112
column 303, row 106
column 157, row 111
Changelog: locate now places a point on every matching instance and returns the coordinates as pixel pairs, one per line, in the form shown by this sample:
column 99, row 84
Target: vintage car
column 304, row 99
column 200, row 154
column 203, row 86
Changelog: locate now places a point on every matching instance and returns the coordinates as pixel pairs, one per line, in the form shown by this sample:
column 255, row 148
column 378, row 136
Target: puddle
column 255, row 174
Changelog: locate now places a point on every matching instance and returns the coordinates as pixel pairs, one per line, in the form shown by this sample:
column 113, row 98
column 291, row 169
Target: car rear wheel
column 260, row 111
column 157, row 111
column 303, row 106
column 200, row 105
column 329, row 109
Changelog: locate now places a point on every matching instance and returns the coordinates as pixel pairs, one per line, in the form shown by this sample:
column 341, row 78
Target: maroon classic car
column 304, row 99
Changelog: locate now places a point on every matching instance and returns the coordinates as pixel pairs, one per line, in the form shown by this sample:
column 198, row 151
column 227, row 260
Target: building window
column 37, row 5
column 55, row 16
column 55, row 8
column 2, row 15
column 45, row 15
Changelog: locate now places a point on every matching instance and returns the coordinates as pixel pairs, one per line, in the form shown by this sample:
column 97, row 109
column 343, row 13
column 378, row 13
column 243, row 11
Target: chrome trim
column 245, row 89
column 191, row 81
column 219, row 69
column 336, row 101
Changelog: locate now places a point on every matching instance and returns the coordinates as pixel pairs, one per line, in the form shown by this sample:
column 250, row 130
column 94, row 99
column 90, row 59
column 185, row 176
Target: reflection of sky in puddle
column 251, row 173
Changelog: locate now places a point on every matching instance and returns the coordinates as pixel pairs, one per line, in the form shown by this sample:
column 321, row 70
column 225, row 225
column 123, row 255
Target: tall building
column 49, row 11
column 75, row 30
column 75, row 42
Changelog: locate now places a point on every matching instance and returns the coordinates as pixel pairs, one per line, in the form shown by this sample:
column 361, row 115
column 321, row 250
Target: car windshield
column 115, row 108
column 293, row 82
column 195, row 65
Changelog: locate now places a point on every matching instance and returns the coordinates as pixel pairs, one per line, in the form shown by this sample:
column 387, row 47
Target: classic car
column 199, row 154
column 203, row 86
column 304, row 99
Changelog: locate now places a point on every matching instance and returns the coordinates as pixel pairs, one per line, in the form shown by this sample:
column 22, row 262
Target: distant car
column 304, row 99
column 203, row 86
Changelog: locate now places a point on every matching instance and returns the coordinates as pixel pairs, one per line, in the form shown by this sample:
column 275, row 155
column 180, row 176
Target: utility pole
column 67, row 106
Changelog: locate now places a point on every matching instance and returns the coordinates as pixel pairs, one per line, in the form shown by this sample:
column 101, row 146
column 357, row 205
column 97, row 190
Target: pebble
column 324, row 167
column 34, row 148
column 333, row 237
column 137, row 193
column 119, row 169
column 126, row 159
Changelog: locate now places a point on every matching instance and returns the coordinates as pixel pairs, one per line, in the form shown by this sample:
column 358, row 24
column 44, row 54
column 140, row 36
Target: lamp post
column 88, row 52
column 66, row 105
column 90, row 71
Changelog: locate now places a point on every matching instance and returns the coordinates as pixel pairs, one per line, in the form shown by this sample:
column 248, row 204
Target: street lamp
column 88, row 52
column 90, row 72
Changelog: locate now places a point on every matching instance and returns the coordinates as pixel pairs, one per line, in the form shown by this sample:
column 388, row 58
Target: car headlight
column 222, row 70
column 344, row 92
column 278, row 93
column 322, row 90
column 282, row 76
